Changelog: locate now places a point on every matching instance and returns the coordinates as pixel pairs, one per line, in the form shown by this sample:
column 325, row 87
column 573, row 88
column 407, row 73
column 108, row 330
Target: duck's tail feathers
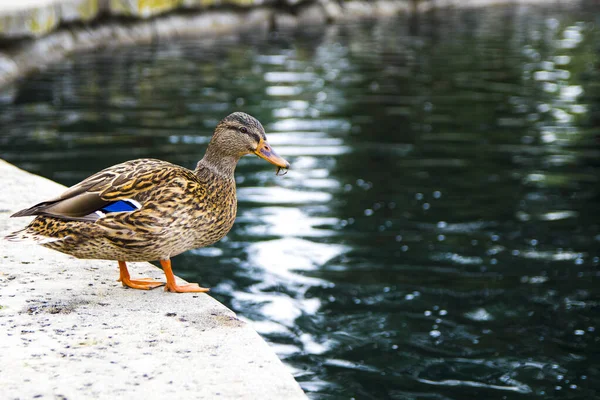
column 25, row 235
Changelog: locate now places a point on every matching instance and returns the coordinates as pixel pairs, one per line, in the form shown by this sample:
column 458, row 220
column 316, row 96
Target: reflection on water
column 438, row 234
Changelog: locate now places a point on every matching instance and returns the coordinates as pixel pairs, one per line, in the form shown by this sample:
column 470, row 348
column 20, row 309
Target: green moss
column 88, row 10
column 42, row 22
column 242, row 2
column 201, row 3
column 143, row 8
column 156, row 6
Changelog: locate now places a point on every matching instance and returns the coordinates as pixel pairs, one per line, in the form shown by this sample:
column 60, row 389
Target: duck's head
column 239, row 134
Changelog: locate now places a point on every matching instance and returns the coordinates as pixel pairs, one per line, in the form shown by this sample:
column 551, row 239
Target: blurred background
column 438, row 235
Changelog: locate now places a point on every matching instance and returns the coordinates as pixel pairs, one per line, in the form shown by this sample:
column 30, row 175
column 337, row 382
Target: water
column 438, row 236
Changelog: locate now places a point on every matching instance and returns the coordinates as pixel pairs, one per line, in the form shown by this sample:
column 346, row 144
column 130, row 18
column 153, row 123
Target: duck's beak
column 265, row 151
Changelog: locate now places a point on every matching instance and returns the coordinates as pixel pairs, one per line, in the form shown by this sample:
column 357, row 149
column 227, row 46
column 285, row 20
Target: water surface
column 438, row 236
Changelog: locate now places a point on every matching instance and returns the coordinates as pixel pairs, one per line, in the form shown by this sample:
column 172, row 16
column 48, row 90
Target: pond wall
column 34, row 33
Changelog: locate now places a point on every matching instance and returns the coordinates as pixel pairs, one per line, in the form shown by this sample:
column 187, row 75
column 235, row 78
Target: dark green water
column 438, row 236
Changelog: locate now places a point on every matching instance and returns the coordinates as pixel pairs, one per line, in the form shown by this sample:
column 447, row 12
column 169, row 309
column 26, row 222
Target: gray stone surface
column 69, row 330
column 35, row 54
column 34, row 18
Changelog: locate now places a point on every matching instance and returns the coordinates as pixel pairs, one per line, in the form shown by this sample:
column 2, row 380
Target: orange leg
column 144, row 283
column 173, row 287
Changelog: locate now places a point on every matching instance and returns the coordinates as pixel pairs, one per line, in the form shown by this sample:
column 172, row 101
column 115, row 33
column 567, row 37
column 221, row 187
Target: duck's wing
column 110, row 190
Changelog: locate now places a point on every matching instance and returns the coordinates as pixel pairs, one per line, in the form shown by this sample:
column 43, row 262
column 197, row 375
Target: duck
column 151, row 210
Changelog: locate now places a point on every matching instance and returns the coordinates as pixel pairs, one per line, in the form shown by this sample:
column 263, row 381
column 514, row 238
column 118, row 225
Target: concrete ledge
column 69, row 330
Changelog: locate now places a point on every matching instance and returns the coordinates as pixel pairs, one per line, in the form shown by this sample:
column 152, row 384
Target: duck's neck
column 217, row 163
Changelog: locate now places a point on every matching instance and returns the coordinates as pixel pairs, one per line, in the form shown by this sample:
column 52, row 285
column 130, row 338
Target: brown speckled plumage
column 180, row 212
column 179, row 209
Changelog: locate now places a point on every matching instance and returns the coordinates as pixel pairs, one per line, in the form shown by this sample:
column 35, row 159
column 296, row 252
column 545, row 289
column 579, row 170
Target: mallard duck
column 147, row 209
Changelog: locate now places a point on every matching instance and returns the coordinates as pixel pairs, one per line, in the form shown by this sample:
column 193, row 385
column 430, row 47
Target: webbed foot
column 142, row 283
column 171, row 286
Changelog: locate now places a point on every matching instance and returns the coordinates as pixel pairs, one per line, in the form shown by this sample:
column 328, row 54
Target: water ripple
column 518, row 388
column 279, row 195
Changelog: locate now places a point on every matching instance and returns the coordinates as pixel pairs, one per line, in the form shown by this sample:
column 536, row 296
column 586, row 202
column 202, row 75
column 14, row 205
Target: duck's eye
column 243, row 129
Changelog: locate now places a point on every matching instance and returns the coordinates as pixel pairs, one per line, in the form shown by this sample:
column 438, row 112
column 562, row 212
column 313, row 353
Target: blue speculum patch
column 118, row 206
